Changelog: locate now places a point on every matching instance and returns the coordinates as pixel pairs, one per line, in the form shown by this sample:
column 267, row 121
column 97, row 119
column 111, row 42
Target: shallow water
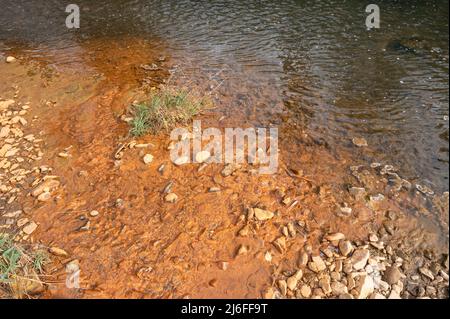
column 315, row 59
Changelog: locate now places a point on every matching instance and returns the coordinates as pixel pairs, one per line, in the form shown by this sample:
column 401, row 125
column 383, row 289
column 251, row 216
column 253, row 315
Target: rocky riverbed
column 326, row 225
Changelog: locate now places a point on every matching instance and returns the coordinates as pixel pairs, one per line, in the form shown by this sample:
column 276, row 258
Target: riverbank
column 329, row 224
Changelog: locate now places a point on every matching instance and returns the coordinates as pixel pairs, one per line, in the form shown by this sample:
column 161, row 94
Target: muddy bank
column 330, row 223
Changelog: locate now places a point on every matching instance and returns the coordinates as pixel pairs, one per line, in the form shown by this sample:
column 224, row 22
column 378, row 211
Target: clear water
column 313, row 58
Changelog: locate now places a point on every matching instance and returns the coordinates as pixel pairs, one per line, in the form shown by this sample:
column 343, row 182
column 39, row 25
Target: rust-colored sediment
column 143, row 247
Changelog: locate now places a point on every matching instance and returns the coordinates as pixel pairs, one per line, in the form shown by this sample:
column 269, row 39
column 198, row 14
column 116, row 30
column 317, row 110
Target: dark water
column 315, row 58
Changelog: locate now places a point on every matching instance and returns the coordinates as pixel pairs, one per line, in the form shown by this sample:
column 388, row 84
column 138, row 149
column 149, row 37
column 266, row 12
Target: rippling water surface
column 314, row 58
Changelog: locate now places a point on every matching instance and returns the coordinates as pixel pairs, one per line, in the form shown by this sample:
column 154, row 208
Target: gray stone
column 392, row 275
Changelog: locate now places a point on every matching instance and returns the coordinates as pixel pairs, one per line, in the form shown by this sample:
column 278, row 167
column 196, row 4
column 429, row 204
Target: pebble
column 444, row 275
column 171, row 198
column 30, row 228
column 359, row 141
column 364, row 286
column 282, row 285
column 286, row 201
column 317, row 264
column 338, row 288
column 269, row 293
column 4, row 132
column 280, row 244
column 346, row 211
column 392, row 275
column 46, row 186
column 243, row 250
column 58, row 252
column 345, row 247
column 224, row 265
column 291, row 229
column 229, row 169
column 305, row 291
column 303, row 259
column 426, row 272
column 12, row 214
column 359, row 258
column 325, row 284
column 244, row 231
column 86, row 226
column 377, row 295
column 294, row 279
column 262, row 214
column 94, row 213
column 45, row 196
column 23, row 221
column 4, row 105
column 335, row 237
column 10, row 59
column 148, row 158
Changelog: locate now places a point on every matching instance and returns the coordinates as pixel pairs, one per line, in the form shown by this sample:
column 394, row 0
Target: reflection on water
column 315, row 59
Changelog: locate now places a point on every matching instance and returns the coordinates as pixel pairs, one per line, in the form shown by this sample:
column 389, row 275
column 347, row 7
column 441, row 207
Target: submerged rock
column 10, row 59
column 46, row 186
column 413, row 44
column 360, row 142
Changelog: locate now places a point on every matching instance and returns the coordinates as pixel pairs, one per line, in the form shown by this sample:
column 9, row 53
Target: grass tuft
column 165, row 109
column 19, row 267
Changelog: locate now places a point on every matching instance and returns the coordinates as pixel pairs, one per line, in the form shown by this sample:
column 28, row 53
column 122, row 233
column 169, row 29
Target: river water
column 312, row 60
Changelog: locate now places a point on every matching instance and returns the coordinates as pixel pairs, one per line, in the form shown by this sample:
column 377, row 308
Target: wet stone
column 359, row 141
